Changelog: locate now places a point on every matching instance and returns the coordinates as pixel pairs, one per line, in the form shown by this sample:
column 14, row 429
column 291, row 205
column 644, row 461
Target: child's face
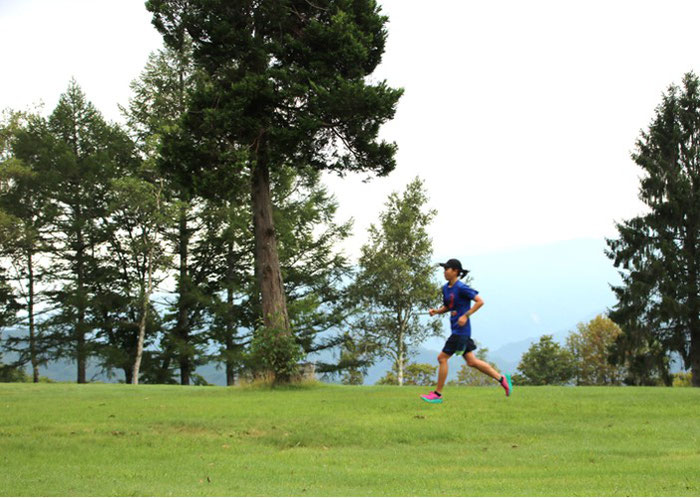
column 450, row 273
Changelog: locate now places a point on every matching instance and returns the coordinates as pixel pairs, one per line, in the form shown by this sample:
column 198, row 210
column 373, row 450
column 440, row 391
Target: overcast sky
column 520, row 116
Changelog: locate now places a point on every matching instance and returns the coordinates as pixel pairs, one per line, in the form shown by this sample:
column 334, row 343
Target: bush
column 198, row 380
column 276, row 353
column 8, row 373
column 415, row 374
column 683, row 379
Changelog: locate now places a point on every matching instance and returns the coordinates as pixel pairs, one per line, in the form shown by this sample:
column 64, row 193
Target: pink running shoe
column 507, row 384
column 431, row 397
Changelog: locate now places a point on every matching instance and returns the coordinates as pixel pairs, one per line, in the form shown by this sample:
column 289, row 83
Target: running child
column 457, row 298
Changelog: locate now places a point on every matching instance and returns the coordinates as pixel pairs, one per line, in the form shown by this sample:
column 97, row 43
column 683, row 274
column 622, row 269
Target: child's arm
column 440, row 311
column 478, row 303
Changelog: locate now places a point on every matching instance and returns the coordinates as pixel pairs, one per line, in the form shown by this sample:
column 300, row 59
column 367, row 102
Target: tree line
column 107, row 257
column 113, row 252
column 201, row 231
column 110, row 257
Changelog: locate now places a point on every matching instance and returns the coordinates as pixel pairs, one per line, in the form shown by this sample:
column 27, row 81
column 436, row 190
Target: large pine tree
column 658, row 253
column 286, row 85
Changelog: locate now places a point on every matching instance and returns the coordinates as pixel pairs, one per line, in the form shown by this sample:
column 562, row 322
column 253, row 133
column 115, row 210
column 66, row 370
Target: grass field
column 67, row 439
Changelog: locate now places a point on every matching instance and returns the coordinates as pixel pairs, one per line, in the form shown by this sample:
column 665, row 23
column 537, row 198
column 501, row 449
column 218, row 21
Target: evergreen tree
column 25, row 190
column 222, row 300
column 225, row 243
column 285, row 85
column 356, row 356
column 658, row 254
column 86, row 154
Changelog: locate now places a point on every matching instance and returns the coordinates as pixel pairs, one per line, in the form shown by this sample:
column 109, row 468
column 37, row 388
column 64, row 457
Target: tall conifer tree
column 658, row 253
column 285, row 86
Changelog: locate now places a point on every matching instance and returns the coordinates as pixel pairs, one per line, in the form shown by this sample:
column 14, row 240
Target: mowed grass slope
column 65, row 439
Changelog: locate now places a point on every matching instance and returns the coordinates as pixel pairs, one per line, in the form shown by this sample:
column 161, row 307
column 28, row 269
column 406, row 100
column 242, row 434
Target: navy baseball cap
column 452, row 263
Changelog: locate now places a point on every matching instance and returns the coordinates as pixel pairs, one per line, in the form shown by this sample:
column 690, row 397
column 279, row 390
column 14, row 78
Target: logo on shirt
column 452, row 304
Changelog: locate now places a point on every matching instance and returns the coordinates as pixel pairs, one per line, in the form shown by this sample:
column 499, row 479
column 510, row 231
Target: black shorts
column 458, row 343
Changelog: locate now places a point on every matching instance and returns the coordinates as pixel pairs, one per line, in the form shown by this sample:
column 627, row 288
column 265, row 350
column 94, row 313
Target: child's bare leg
column 442, row 372
column 481, row 366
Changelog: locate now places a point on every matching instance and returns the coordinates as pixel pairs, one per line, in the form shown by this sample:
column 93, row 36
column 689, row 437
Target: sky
column 519, row 116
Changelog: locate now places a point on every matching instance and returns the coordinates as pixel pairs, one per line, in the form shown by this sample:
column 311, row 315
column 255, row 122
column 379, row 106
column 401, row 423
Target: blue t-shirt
column 458, row 300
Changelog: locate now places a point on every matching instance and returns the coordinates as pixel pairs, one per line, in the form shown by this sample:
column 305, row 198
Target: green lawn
column 67, row 439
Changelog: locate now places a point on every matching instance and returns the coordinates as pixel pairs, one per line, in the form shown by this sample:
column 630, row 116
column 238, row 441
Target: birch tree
column 395, row 284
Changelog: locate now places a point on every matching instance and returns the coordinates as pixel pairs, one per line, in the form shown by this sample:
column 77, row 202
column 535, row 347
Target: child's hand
column 432, row 312
column 462, row 320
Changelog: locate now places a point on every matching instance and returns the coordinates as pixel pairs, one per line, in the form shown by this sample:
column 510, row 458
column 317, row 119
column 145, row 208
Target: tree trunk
column 145, row 301
column 274, row 305
column 82, row 363
column 146, row 297
column 400, row 322
column 182, row 327
column 695, row 339
column 80, row 326
column 694, row 299
column 230, row 371
column 695, row 358
column 142, row 335
column 400, row 359
column 230, row 367
column 163, row 374
column 694, row 305
column 30, row 312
